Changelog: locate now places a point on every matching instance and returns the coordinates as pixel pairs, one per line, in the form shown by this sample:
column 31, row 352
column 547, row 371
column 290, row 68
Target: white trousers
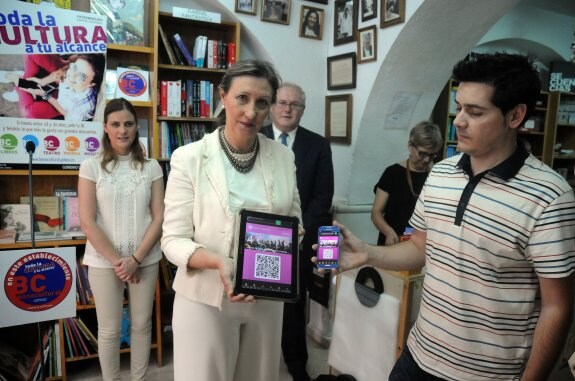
column 242, row 342
column 108, row 293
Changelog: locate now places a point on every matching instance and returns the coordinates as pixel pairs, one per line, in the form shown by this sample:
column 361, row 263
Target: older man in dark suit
column 315, row 185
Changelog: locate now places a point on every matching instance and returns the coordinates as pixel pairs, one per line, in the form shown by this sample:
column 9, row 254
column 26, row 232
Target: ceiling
column 565, row 7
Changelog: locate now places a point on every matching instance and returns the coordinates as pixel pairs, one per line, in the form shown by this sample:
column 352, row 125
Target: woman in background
column 219, row 336
column 121, row 202
column 400, row 184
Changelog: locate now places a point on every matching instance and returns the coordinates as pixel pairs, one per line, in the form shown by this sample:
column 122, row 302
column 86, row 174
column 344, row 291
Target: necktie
column 283, row 138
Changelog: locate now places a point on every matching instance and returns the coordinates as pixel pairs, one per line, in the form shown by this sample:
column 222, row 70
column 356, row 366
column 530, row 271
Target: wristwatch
column 46, row 96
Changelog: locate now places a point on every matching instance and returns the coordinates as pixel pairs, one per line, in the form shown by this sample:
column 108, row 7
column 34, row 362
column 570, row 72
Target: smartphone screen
column 328, row 247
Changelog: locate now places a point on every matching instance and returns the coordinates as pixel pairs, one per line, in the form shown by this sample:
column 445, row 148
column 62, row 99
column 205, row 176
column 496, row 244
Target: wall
column 414, row 63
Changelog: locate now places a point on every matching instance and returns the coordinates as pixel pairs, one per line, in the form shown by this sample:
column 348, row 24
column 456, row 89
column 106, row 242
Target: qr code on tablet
column 267, row 266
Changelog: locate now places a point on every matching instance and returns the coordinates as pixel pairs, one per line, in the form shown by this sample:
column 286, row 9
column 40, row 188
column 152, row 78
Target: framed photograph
column 368, row 10
column 392, row 12
column 249, row 7
column 338, row 117
column 341, row 71
column 344, row 21
column 276, row 11
column 367, row 44
column 311, row 22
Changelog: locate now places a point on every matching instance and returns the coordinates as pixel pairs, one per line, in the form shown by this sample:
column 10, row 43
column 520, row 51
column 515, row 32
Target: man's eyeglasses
column 284, row 105
column 425, row 155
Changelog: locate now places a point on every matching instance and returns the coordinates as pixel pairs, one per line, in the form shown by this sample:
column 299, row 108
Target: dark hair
column 98, row 63
column 254, row 68
column 513, row 76
column 426, row 134
column 108, row 154
column 316, row 26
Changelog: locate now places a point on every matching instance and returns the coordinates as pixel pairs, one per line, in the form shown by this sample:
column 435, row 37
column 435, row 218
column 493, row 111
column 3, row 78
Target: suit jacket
column 197, row 209
column 314, row 175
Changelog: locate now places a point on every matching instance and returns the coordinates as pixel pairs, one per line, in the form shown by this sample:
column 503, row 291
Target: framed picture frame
column 338, row 117
column 367, row 44
column 249, row 7
column 368, row 10
column 341, row 71
column 344, row 21
column 392, row 12
column 276, row 11
column 311, row 22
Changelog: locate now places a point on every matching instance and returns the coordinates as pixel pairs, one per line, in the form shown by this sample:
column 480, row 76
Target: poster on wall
column 52, row 65
column 37, row 285
column 562, row 76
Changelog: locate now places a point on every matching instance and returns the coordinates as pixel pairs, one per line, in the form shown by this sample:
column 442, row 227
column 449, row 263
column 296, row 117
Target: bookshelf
column 559, row 151
column 443, row 116
column 189, row 126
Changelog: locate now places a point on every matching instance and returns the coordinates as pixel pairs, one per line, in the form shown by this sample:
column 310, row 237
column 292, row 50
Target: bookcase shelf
column 174, row 131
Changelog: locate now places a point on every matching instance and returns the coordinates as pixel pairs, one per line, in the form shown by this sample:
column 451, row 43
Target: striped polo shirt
column 489, row 238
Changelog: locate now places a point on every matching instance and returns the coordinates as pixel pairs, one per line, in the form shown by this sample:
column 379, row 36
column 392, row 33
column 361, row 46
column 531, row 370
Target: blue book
column 184, row 49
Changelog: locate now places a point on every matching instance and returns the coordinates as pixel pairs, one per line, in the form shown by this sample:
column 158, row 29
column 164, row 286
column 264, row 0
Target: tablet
column 267, row 261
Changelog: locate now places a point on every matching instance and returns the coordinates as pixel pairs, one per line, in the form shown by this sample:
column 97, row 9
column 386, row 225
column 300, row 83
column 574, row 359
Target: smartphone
column 328, row 247
column 27, row 84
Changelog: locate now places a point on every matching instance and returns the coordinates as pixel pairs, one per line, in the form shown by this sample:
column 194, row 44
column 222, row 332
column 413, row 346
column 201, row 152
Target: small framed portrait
column 367, row 44
column 341, row 72
column 344, row 21
column 276, row 11
column 392, row 12
column 311, row 22
column 368, row 10
column 248, row 7
column 338, row 117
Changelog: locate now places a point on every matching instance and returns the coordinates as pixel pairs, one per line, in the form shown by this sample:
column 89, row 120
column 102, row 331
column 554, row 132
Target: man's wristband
column 136, row 259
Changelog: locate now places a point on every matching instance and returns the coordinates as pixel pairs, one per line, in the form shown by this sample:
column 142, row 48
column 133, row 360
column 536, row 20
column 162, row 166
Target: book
column 182, row 46
column 200, row 47
column 47, row 213
column 231, row 53
column 179, row 56
column 167, row 46
column 125, row 20
column 15, row 217
column 71, row 214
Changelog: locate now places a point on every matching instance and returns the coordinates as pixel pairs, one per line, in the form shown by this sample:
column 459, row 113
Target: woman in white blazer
column 219, row 336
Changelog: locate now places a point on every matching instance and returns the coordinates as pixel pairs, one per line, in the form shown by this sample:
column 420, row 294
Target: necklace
column 242, row 162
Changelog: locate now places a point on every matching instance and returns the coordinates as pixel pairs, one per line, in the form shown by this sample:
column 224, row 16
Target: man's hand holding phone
column 352, row 252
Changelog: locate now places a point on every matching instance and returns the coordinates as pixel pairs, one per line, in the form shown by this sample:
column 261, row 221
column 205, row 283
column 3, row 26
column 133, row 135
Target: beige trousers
column 108, row 293
column 242, row 342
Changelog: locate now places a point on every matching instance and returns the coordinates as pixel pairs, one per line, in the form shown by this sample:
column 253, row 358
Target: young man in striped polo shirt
column 495, row 228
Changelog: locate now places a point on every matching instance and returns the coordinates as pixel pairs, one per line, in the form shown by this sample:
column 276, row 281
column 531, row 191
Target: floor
column 89, row 370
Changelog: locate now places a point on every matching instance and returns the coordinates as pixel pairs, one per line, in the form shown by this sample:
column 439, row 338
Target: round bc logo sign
column 91, row 144
column 132, row 83
column 8, row 142
column 27, row 138
column 38, row 281
column 51, row 143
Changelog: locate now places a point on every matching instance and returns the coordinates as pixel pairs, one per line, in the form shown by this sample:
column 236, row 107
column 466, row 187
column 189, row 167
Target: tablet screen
column 267, row 261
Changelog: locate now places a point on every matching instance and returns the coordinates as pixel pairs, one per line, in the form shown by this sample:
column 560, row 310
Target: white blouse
column 123, row 206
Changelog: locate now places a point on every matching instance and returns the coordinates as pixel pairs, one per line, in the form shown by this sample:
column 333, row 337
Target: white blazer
column 197, row 212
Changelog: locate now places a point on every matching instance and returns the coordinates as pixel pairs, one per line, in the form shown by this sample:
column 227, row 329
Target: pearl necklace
column 242, row 162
